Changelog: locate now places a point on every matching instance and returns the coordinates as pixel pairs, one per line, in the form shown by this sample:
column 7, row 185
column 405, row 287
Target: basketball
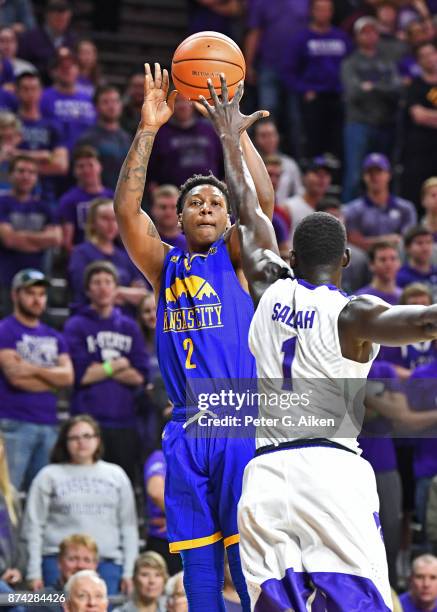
column 204, row 56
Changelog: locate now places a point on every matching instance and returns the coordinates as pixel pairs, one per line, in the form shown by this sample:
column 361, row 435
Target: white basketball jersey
column 294, row 339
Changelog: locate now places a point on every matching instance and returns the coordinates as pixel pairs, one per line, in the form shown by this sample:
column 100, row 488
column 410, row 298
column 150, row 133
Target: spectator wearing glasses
column 80, row 493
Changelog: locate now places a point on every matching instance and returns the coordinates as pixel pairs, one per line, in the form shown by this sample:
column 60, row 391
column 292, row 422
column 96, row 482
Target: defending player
column 203, row 318
column 308, row 515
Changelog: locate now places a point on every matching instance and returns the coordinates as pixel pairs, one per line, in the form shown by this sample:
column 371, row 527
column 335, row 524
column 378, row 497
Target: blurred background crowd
column 351, row 86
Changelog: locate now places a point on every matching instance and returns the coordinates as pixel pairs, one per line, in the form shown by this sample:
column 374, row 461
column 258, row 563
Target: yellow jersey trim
column 233, row 539
column 176, row 547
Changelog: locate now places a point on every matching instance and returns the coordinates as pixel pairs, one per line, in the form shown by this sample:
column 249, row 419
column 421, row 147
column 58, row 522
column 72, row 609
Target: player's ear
column 346, row 258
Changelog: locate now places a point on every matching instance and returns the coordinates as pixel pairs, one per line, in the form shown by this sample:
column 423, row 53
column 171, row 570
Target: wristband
column 108, row 369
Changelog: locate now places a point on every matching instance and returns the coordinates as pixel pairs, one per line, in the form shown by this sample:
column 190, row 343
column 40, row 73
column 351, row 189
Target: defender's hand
column 156, row 109
column 226, row 116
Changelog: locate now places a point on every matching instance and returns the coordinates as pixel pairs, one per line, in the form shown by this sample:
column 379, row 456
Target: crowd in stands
column 351, row 87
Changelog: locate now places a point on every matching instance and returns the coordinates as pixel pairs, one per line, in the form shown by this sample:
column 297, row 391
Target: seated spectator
column 10, row 138
column 74, row 204
column 89, row 69
column 8, row 50
column 187, row 144
column 357, row 273
column 315, row 61
column 150, row 576
column 165, row 216
column 73, row 110
column 422, row 594
column 86, row 591
column 41, row 138
column 419, row 153
column 372, row 88
column 316, row 181
column 79, row 493
column 133, row 102
column 266, row 140
column 110, row 140
column 27, row 226
column 34, row 362
column 429, row 204
column 17, row 15
column 176, row 597
column 12, row 559
column 418, row 242
column 384, row 265
column 101, row 232
column 41, row 43
column 110, row 364
column 378, row 215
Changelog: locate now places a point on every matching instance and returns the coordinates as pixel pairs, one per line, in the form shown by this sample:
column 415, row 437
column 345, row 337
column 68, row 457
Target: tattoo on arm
column 152, row 231
column 143, row 144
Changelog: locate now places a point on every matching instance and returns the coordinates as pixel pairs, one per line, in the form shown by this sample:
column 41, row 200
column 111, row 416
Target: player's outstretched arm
column 259, row 250
column 137, row 229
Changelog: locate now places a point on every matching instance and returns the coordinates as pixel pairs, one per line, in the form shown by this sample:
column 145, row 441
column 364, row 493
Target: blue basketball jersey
column 203, row 319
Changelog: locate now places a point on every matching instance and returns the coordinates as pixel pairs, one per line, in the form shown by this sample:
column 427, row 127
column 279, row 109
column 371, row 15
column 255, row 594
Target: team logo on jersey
column 192, row 304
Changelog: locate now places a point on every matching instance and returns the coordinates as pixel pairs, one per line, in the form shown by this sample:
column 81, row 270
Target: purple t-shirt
column 154, row 466
column 408, row 275
column 94, row 339
column 73, row 208
column 315, row 60
column 86, row 87
column 390, row 298
column 408, row 605
column 41, row 346
column 74, row 112
column 411, row 356
column 364, row 216
column 179, row 153
column 83, row 254
column 379, row 449
column 33, row 216
column 6, row 72
column 278, row 21
column 8, row 102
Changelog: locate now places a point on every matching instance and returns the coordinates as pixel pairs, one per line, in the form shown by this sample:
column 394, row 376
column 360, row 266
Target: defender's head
column 319, row 242
column 203, row 211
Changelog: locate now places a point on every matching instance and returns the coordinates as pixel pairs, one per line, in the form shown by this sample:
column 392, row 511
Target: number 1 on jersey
column 189, row 347
column 289, row 349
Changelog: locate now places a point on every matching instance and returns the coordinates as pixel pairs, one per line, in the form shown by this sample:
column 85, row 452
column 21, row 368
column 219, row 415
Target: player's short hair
column 415, row 232
column 91, row 215
column 164, row 191
column 102, row 89
column 380, row 245
column 151, row 559
column 85, row 152
column 27, row 75
column 414, row 290
column 195, row 181
column 79, row 539
column 428, row 184
column 96, row 267
column 319, row 239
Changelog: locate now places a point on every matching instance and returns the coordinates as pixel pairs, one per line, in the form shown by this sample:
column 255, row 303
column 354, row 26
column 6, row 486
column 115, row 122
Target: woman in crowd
column 101, row 232
column 89, row 69
column 80, row 493
column 150, row 576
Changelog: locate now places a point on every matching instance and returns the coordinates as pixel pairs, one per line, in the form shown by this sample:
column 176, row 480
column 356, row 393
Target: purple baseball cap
column 376, row 160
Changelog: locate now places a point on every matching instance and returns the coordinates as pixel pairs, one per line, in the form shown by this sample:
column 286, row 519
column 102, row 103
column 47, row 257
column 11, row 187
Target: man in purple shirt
column 110, row 363
column 384, row 265
column 315, row 59
column 186, row 145
column 422, row 594
column 378, row 215
column 165, row 217
column 73, row 110
column 33, row 363
column 74, row 204
column 418, row 242
column 27, row 227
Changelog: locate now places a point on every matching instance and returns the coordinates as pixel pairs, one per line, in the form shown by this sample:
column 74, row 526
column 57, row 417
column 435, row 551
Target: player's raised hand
column 226, row 115
column 157, row 109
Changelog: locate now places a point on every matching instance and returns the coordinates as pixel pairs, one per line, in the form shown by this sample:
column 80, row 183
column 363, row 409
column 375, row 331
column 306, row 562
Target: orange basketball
column 204, row 56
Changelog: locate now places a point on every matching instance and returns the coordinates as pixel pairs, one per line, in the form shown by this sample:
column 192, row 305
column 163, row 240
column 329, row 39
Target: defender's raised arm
column 137, row 229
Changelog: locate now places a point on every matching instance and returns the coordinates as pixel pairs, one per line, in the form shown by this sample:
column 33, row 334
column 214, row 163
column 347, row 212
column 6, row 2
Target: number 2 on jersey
column 189, row 347
column 289, row 349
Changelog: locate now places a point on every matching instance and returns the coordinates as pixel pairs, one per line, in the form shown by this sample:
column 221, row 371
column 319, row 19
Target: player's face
column 183, row 109
column 420, row 249
column 177, row 602
column 427, row 58
column 105, row 224
column 110, row 106
column 87, row 595
column 267, row 138
column 322, row 12
column 29, row 91
column 75, row 559
column 8, row 43
column 24, row 176
column 30, row 301
column 82, row 443
column 386, row 264
column 102, row 290
column 204, row 217
column 149, row 582
column 422, row 299
column 423, row 583
column 87, row 170
column 377, row 179
column 164, row 212
column 430, row 200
